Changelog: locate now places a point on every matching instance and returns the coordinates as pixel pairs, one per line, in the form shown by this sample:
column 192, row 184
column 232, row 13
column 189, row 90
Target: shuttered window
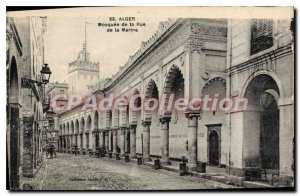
column 261, row 35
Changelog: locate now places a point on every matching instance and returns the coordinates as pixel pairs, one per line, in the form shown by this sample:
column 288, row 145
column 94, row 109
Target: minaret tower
column 83, row 74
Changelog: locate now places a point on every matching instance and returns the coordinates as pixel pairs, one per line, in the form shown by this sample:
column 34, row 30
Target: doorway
column 214, row 153
column 214, row 144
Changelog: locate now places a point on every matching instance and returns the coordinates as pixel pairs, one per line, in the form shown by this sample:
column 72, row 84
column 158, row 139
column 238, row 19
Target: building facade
column 25, row 103
column 54, row 90
column 260, row 67
column 192, row 58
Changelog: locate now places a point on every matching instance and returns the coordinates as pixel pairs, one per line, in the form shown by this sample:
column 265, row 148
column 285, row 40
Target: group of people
column 50, row 151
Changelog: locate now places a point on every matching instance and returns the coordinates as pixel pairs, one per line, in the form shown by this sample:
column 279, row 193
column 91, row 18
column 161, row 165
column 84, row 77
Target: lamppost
column 45, row 77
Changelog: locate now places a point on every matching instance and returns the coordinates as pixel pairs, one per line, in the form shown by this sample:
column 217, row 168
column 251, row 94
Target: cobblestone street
column 70, row 172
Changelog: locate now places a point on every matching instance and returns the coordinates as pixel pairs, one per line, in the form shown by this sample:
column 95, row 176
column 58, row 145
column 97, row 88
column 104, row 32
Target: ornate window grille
column 261, row 35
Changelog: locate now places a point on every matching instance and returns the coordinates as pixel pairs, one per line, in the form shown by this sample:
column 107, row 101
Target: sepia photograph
column 150, row 98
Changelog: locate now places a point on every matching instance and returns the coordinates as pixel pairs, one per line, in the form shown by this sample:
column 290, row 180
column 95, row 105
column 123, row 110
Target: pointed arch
column 211, row 81
column 151, row 92
column 72, row 130
column 172, row 74
column 82, row 125
column 133, row 114
column 68, row 128
column 88, row 123
column 77, row 126
column 174, row 84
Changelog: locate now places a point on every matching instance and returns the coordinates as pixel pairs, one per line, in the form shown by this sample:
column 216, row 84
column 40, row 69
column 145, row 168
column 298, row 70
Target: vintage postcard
column 150, row 98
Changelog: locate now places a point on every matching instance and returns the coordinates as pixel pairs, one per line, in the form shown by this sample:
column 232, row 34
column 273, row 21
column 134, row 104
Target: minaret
column 83, row 73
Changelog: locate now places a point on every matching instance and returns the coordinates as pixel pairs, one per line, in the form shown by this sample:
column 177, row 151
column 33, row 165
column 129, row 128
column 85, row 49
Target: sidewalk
column 39, row 179
column 212, row 173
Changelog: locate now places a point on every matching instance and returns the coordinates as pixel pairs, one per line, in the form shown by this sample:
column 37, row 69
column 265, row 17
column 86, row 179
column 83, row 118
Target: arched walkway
column 173, row 86
column 13, row 124
column 261, row 123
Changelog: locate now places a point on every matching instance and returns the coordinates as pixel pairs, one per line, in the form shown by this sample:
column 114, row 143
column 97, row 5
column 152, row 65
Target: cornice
column 257, row 61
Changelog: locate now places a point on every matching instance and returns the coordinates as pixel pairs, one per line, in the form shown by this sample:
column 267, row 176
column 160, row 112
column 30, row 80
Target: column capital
column 146, row 123
column 193, row 44
column 193, row 113
column 132, row 126
column 163, row 120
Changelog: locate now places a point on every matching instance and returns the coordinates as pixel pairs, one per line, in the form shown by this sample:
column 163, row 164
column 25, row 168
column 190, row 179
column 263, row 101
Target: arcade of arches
column 252, row 137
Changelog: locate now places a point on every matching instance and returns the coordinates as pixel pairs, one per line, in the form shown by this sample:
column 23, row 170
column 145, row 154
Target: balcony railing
column 261, row 43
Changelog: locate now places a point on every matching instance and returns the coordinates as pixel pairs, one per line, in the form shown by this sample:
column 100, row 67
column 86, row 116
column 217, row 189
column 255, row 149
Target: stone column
column 122, row 141
column 84, row 141
column 165, row 159
column 65, row 142
column 109, row 139
column 101, row 138
column 132, row 141
column 192, row 141
column 146, row 140
column 70, row 141
column 93, row 140
column 115, row 137
column 74, row 139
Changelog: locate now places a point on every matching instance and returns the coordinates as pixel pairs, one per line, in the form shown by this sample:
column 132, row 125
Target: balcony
column 261, row 43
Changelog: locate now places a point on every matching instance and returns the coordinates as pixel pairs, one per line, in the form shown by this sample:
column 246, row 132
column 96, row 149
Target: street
column 70, row 172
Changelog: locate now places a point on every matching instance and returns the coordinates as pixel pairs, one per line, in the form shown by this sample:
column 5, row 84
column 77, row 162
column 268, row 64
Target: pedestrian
column 53, row 151
column 75, row 148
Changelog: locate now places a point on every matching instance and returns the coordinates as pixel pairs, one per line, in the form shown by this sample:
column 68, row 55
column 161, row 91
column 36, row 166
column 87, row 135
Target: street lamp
column 45, row 76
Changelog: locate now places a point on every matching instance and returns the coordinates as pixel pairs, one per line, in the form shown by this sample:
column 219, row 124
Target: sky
column 64, row 39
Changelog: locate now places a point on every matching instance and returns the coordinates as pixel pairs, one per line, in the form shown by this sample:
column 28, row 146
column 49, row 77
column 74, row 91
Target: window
column 261, row 35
